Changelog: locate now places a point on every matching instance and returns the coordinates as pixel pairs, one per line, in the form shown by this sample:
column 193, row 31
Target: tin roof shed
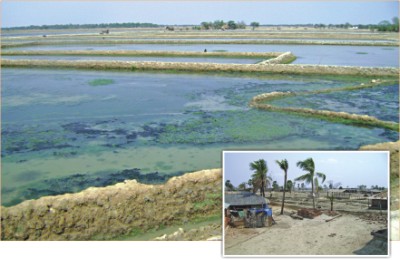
column 244, row 199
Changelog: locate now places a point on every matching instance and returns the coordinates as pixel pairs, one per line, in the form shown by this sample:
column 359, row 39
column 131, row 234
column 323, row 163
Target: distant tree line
column 383, row 26
column 85, row 26
column 221, row 25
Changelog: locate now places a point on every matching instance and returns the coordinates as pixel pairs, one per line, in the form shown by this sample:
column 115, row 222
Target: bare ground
column 345, row 235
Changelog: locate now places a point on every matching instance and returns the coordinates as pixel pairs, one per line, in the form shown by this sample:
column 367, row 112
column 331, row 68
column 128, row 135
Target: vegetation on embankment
column 104, row 213
column 145, row 53
column 206, row 67
column 260, row 102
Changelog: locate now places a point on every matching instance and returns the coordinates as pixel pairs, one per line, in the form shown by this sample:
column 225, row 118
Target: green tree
column 275, row 186
column 206, row 25
column 241, row 25
column 254, row 25
column 218, row 24
column 259, row 177
column 395, row 26
column 250, row 183
column 284, row 165
column 309, row 166
column 290, row 185
column 362, row 187
column 229, row 186
column 242, row 186
column 232, row 25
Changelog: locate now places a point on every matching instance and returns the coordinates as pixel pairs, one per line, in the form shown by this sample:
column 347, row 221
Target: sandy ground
column 341, row 236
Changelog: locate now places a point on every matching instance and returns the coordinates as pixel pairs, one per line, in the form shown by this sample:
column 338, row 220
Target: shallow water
column 367, row 56
column 160, row 59
column 64, row 130
column 380, row 102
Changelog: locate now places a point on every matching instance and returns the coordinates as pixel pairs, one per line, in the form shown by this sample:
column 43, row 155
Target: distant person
column 205, row 50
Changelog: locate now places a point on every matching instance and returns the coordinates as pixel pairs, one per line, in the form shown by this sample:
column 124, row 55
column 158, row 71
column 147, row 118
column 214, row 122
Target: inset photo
column 306, row 203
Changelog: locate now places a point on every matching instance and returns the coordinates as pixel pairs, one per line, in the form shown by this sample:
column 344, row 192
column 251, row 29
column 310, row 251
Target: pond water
column 367, row 56
column 380, row 102
column 68, row 129
column 160, row 59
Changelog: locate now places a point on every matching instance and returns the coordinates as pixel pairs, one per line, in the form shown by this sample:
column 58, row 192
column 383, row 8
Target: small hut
column 378, row 201
column 247, row 209
column 244, row 200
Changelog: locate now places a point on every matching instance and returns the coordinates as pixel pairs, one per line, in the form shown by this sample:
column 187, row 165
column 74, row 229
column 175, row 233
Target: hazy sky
column 349, row 168
column 23, row 13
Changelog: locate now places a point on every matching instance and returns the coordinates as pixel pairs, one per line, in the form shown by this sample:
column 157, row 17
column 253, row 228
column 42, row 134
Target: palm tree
column 284, row 165
column 229, row 185
column 309, row 166
column 260, row 175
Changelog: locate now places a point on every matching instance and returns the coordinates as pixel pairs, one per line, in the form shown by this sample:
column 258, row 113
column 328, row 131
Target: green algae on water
column 101, row 82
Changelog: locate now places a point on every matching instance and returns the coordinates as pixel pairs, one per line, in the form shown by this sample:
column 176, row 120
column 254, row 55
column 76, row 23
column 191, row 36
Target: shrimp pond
column 373, row 56
column 65, row 130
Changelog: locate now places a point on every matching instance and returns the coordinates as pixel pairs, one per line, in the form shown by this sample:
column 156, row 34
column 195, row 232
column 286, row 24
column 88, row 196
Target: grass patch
column 361, row 52
column 211, row 199
column 101, row 82
column 138, row 234
column 219, row 50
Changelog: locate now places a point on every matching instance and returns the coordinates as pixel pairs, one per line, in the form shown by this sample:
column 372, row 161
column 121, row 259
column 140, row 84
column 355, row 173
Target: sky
column 351, row 168
column 25, row 13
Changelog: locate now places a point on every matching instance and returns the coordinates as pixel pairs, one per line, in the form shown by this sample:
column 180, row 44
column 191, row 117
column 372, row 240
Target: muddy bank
column 205, row 67
column 104, row 213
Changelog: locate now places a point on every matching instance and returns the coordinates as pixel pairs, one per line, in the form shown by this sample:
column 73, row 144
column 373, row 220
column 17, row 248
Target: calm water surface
column 65, row 130
column 367, row 56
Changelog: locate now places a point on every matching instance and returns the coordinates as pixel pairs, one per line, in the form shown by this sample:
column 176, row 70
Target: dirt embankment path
column 344, row 235
column 104, row 213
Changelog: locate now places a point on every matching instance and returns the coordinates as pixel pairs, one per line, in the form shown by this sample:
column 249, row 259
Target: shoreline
column 107, row 212
column 206, row 67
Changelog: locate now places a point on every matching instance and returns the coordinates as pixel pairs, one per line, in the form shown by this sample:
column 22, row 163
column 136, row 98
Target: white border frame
column 303, row 256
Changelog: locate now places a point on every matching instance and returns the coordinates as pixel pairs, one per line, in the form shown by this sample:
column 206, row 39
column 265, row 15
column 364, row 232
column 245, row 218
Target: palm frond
column 306, row 177
column 321, row 175
column 307, row 165
column 283, row 164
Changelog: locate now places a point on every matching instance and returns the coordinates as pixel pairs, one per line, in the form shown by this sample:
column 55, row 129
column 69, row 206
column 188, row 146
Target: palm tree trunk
column 284, row 193
column 312, row 190
column 263, row 188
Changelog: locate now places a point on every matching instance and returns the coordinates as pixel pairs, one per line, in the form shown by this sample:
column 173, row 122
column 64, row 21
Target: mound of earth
column 107, row 212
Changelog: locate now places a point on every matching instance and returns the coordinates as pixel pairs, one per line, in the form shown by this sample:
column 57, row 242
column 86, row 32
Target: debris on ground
column 295, row 216
column 338, row 216
column 309, row 213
